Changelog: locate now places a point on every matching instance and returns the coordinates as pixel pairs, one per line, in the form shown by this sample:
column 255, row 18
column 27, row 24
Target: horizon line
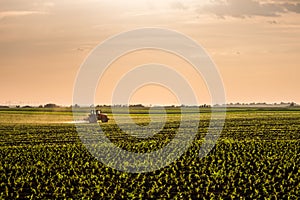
column 291, row 103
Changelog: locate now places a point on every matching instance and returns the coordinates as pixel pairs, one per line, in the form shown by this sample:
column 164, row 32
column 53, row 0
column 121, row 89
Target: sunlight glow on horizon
column 255, row 45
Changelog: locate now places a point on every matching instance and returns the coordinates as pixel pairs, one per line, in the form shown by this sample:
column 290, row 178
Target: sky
column 254, row 44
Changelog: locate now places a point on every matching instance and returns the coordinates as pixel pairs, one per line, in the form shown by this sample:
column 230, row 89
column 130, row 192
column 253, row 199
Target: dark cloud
column 292, row 7
column 249, row 8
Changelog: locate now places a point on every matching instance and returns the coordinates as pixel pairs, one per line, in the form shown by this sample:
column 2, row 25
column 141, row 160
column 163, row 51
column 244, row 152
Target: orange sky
column 255, row 45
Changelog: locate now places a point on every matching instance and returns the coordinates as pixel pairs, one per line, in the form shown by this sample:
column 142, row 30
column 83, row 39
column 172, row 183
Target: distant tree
column 17, row 106
column 40, row 106
column 292, row 104
column 51, row 105
column 27, row 106
column 205, row 106
column 137, row 105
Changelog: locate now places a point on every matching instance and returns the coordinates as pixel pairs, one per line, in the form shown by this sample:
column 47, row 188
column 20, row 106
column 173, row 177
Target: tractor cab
column 96, row 115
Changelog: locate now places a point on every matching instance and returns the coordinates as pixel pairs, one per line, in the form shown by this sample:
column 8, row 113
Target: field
column 257, row 156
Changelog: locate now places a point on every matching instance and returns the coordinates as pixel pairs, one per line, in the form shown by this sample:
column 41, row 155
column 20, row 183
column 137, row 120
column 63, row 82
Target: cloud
column 178, row 5
column 293, row 7
column 5, row 14
column 249, row 8
column 29, row 5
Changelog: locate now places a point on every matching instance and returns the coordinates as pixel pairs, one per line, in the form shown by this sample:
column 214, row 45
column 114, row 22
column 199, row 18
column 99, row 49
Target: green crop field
column 257, row 156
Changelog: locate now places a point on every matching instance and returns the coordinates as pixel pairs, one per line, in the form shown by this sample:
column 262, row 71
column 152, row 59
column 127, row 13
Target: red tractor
column 94, row 116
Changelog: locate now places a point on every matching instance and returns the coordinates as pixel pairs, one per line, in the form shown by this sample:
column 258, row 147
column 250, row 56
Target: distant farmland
column 256, row 156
